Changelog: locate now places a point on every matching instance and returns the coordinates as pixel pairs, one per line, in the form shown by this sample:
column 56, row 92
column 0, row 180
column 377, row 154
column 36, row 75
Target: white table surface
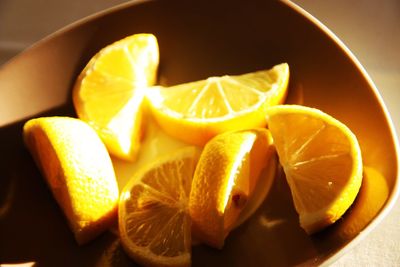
column 369, row 28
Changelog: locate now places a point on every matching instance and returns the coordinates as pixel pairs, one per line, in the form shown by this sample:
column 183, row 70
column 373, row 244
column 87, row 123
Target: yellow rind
column 199, row 131
column 229, row 166
column 110, row 98
column 141, row 254
column 316, row 220
column 78, row 170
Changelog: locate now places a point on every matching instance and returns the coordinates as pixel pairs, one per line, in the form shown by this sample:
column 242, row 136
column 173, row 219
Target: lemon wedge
column 197, row 111
column 109, row 92
column 78, row 170
column 322, row 161
column 224, row 182
column 154, row 221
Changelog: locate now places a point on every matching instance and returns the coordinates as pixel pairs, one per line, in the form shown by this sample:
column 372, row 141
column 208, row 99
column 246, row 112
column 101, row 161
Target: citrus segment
column 322, row 161
column 224, row 181
column 109, row 92
column 197, row 111
column 78, row 170
column 373, row 194
column 154, row 223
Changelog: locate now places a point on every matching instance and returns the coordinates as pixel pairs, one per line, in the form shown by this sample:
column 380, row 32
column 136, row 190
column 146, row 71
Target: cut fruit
column 78, row 170
column 197, row 111
column 373, row 195
column 154, row 222
column 322, row 161
column 224, row 182
column 109, row 92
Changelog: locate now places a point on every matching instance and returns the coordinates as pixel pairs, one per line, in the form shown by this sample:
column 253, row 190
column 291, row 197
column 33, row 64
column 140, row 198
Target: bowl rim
column 72, row 25
column 395, row 193
column 392, row 198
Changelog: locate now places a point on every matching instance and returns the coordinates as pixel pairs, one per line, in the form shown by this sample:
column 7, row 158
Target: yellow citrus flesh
column 322, row 161
column 109, row 92
column 224, row 181
column 78, row 170
column 197, row 111
column 154, row 222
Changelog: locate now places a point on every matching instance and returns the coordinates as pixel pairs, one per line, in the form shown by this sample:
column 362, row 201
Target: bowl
column 197, row 39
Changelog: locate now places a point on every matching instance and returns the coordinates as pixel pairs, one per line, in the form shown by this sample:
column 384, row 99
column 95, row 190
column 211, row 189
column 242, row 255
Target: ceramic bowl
column 197, row 39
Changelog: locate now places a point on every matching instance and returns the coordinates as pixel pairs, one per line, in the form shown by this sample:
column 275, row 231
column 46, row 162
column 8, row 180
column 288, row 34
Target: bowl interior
column 197, row 40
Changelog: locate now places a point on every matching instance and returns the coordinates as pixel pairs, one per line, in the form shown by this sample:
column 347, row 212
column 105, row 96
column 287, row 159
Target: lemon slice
column 195, row 112
column 154, row 222
column 109, row 92
column 224, row 181
column 371, row 198
column 322, row 161
column 78, row 170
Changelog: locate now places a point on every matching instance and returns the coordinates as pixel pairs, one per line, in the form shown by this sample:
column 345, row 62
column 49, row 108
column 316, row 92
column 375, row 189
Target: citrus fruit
column 373, row 194
column 322, row 161
column 78, row 170
column 154, row 144
column 224, row 181
column 154, row 222
column 195, row 112
column 109, row 92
